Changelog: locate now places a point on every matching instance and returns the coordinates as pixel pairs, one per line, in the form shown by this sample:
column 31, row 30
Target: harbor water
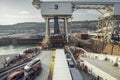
column 14, row 49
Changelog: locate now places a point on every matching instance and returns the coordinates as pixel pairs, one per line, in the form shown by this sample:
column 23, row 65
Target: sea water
column 14, row 49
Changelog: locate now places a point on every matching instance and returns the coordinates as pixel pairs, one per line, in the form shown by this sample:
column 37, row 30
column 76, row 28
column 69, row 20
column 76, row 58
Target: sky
column 17, row 11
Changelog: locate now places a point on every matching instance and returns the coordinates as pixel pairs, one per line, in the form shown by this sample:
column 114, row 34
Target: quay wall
column 16, row 41
column 5, row 41
column 28, row 41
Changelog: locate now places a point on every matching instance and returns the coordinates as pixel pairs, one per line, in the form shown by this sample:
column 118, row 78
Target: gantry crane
column 57, row 10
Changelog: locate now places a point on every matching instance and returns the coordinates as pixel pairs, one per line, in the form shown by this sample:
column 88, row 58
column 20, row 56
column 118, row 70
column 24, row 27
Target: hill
column 22, row 27
column 76, row 26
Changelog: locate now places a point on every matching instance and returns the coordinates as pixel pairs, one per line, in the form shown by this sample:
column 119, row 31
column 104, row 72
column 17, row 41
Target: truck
column 32, row 69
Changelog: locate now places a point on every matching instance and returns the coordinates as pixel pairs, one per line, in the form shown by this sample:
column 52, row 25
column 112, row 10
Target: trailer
column 75, row 74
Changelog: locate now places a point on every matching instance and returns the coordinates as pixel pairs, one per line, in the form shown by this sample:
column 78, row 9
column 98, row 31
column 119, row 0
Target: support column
column 46, row 31
column 66, row 29
column 56, row 25
column 98, row 27
column 49, row 28
column 64, row 26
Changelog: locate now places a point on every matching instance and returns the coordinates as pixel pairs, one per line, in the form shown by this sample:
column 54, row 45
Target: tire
column 38, row 72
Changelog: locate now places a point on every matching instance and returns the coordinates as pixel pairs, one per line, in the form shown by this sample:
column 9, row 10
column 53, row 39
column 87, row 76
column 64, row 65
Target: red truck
column 19, row 75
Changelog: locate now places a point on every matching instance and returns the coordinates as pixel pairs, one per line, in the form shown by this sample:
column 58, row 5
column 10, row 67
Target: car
column 68, row 56
column 18, row 75
column 11, row 60
column 71, row 64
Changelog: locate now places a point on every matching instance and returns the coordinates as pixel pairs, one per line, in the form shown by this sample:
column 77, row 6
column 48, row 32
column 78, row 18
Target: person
column 98, row 78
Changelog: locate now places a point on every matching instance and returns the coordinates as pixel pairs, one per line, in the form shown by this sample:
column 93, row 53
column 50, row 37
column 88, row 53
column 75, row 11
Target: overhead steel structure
column 59, row 9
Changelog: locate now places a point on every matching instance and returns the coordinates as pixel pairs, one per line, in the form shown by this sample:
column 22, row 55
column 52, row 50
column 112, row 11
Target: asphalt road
column 45, row 57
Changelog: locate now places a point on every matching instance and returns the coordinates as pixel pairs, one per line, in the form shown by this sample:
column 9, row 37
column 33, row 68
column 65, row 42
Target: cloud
column 24, row 12
column 18, row 18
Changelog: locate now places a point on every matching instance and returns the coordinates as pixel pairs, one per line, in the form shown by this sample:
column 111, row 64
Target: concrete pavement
column 45, row 57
